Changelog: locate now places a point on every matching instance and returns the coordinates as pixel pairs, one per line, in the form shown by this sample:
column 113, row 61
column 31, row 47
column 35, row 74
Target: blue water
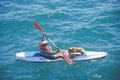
column 91, row 24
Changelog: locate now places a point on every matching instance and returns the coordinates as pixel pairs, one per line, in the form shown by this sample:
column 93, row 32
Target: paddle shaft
column 52, row 42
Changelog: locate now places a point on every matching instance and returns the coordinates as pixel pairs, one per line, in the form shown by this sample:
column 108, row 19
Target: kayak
column 35, row 56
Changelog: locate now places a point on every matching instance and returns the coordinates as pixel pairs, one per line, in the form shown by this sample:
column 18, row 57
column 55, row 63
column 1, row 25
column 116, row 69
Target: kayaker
column 46, row 50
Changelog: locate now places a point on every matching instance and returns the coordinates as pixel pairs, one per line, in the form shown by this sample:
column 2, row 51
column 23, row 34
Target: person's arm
column 56, row 51
column 43, row 37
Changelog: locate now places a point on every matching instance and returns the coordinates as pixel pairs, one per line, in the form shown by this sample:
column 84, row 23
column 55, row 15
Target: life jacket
column 47, row 48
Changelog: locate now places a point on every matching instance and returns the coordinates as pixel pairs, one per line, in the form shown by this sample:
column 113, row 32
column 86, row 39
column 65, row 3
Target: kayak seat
column 36, row 54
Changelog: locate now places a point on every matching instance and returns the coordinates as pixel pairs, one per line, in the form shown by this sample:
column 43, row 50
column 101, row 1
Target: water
column 91, row 24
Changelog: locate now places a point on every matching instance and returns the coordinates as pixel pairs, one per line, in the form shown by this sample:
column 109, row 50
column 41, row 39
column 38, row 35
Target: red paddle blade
column 69, row 61
column 38, row 27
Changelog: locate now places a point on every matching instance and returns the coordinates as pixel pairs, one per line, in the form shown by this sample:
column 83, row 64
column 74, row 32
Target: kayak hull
column 35, row 56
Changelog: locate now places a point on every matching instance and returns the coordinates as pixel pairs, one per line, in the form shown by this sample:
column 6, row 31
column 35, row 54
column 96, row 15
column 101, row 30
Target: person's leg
column 57, row 57
column 47, row 55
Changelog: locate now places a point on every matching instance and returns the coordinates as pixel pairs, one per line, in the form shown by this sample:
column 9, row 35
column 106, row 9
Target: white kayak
column 35, row 56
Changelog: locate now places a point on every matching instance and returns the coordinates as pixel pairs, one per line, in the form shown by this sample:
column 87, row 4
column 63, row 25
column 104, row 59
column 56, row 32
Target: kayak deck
column 35, row 56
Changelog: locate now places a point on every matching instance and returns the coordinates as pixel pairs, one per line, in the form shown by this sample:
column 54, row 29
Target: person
column 46, row 50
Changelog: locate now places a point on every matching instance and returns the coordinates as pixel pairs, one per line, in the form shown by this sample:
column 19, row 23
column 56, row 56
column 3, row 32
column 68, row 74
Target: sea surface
column 91, row 24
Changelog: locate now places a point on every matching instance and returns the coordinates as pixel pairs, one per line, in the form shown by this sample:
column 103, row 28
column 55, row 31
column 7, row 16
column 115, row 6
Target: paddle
column 69, row 61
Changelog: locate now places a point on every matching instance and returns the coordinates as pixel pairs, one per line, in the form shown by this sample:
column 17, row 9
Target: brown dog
column 75, row 51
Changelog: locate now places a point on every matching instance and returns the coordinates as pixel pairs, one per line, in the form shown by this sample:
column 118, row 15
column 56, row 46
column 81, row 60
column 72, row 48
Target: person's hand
column 58, row 50
column 44, row 34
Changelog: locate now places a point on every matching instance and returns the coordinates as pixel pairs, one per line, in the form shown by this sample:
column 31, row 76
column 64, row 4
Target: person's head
column 44, row 43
